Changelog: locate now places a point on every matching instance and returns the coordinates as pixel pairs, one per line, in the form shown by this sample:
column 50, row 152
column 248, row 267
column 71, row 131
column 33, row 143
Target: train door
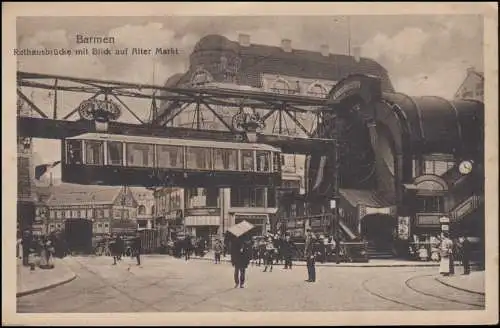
column 78, row 235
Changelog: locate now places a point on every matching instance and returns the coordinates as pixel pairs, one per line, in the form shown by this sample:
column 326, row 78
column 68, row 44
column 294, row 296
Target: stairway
column 379, row 252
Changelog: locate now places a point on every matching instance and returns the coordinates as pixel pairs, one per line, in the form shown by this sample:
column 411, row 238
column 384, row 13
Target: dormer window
column 317, row 90
column 201, row 77
column 281, row 86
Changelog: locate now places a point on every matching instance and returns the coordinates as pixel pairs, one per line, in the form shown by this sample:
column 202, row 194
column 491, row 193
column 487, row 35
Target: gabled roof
column 72, row 194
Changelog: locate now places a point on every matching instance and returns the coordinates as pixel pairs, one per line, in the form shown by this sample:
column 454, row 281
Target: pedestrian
column 218, row 248
column 27, row 240
column 240, row 258
column 50, row 249
column 310, row 257
column 120, row 244
column 137, row 248
column 269, row 255
column 446, row 248
column 187, row 247
column 465, row 254
column 288, row 247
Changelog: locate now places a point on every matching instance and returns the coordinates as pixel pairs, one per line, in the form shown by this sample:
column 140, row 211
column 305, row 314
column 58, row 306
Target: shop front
column 203, row 223
column 259, row 221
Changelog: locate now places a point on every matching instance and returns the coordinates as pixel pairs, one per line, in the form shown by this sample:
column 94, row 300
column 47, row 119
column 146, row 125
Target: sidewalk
column 472, row 283
column 30, row 282
column 372, row 263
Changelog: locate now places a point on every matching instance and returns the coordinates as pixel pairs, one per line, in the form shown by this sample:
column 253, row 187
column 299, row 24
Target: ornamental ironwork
column 245, row 122
column 99, row 110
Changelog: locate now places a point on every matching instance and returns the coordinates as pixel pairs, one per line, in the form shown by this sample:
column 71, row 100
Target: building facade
column 106, row 209
column 146, row 207
column 220, row 63
column 472, row 87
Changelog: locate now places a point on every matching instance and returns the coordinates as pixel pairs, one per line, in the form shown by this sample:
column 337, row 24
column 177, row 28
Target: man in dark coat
column 137, row 248
column 188, row 246
column 287, row 250
column 240, row 258
column 27, row 240
column 310, row 257
column 466, row 254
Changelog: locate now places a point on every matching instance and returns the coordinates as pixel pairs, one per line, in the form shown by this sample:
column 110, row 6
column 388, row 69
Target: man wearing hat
column 310, row 258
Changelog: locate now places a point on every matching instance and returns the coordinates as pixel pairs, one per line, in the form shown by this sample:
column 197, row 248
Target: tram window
column 94, row 152
column 198, row 158
column 140, row 155
column 169, row 156
column 226, row 159
column 276, row 162
column 74, row 152
column 262, row 161
column 247, row 160
column 115, row 153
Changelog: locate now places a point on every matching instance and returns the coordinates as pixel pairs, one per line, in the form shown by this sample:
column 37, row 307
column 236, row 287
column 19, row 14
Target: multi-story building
column 219, row 62
column 145, row 207
column 472, row 87
column 105, row 209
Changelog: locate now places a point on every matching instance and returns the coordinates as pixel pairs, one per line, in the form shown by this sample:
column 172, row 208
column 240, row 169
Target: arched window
column 317, row 90
column 153, row 210
column 141, row 210
column 201, row 76
column 281, row 86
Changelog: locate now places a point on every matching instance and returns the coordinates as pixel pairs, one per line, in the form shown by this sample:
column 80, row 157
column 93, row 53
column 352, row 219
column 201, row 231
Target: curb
column 459, row 288
column 41, row 289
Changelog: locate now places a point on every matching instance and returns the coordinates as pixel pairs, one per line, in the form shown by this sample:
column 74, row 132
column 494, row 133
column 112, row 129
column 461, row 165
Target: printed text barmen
column 94, row 39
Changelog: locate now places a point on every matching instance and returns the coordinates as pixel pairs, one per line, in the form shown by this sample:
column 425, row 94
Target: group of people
column 43, row 247
column 449, row 252
column 445, row 250
column 187, row 246
column 117, row 248
column 269, row 249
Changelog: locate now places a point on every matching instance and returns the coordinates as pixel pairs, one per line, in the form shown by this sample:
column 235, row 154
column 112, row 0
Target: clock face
column 465, row 167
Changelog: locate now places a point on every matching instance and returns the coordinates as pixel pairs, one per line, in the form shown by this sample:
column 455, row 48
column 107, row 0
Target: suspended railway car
column 109, row 159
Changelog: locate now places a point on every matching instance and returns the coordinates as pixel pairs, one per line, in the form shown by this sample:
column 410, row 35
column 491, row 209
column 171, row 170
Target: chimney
column 356, row 52
column 286, row 45
column 325, row 50
column 244, row 40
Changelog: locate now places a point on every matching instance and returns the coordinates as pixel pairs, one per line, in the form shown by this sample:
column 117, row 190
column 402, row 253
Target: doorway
column 78, row 235
column 378, row 230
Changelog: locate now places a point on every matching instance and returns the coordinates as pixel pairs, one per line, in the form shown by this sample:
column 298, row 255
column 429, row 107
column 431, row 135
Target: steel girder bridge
column 165, row 104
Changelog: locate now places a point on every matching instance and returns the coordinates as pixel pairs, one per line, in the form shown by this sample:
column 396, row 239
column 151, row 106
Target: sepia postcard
column 250, row 163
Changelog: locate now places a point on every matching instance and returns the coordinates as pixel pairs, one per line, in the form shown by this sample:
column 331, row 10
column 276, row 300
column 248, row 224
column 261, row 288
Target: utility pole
column 348, row 18
column 334, row 203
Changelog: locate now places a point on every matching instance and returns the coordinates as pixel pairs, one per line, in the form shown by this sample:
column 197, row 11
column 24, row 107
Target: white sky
column 425, row 55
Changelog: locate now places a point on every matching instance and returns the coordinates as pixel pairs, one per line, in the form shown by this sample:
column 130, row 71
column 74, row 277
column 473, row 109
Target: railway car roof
column 174, row 142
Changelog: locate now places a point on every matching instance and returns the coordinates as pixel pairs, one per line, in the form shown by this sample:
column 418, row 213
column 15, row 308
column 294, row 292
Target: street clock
column 465, row 167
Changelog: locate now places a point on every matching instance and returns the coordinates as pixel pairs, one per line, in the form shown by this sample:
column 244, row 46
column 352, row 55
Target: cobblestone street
column 166, row 284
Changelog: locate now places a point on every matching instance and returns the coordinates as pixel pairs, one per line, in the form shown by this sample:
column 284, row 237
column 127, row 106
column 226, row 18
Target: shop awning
column 202, row 220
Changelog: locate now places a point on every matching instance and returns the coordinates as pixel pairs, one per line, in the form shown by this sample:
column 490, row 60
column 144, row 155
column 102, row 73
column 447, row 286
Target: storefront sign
column 427, row 220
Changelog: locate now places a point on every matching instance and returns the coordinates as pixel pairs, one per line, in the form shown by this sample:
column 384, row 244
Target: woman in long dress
column 446, row 248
